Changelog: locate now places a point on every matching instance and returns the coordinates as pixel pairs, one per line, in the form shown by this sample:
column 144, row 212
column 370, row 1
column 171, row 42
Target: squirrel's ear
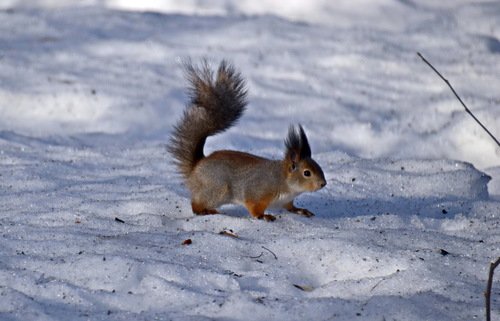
column 292, row 144
column 305, row 149
column 297, row 145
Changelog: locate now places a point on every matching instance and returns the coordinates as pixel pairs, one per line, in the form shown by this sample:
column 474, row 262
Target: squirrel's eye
column 307, row 173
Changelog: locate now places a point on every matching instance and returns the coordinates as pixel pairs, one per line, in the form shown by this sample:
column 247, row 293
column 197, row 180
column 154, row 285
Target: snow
column 93, row 218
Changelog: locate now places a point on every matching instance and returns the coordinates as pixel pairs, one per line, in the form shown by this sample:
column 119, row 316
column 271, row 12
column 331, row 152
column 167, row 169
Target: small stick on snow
column 458, row 97
column 256, row 257
column 265, row 248
column 377, row 284
column 487, row 293
column 305, row 288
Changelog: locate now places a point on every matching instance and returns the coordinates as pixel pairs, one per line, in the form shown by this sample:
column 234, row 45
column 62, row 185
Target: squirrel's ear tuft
column 305, row 149
column 297, row 145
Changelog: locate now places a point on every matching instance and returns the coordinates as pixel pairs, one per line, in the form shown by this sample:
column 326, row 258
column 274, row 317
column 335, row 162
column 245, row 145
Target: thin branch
column 458, row 97
column 487, row 293
column 377, row 284
column 256, row 257
column 305, row 288
column 262, row 253
column 265, row 248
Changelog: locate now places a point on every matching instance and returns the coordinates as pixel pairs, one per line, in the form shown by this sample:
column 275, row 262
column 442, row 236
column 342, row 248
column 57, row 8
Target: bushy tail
column 215, row 105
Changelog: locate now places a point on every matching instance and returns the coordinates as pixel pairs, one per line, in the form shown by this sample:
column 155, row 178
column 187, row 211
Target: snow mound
column 412, row 187
column 417, row 179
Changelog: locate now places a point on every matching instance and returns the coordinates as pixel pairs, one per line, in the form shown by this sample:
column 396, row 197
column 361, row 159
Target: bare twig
column 265, row 248
column 256, row 257
column 305, row 288
column 458, row 97
column 262, row 253
column 487, row 293
column 377, row 284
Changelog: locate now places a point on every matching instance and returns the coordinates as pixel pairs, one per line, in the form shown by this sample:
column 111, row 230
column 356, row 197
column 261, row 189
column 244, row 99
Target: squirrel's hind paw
column 201, row 210
column 268, row 217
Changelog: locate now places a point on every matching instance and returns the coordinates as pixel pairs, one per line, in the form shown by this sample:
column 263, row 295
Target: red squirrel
column 234, row 177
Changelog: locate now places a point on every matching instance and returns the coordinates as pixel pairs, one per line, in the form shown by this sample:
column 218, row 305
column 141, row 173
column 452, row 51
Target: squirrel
column 234, row 177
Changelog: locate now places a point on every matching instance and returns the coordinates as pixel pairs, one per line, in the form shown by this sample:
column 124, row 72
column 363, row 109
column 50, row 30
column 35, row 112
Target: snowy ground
column 93, row 217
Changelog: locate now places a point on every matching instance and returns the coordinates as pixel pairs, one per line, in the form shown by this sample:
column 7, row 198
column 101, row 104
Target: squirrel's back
column 216, row 103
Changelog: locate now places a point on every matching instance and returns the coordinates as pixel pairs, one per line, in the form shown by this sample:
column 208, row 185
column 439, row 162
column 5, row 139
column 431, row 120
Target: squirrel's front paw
column 305, row 212
column 297, row 210
column 302, row 211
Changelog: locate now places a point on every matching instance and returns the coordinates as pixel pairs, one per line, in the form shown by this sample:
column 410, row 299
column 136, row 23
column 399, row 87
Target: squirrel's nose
column 323, row 184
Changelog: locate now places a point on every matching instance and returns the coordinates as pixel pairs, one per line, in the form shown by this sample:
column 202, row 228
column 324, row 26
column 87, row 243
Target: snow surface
column 93, row 217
